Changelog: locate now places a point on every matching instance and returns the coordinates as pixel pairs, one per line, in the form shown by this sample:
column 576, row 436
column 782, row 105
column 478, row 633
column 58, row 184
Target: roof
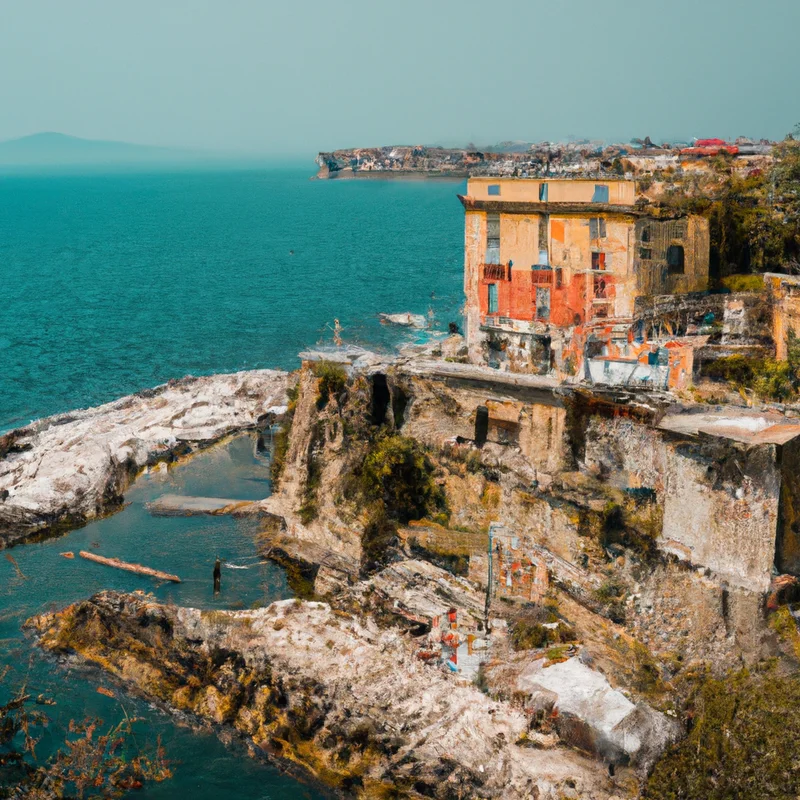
column 735, row 424
column 551, row 179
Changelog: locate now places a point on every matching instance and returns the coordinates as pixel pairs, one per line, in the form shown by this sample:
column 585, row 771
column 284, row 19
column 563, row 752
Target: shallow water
column 187, row 546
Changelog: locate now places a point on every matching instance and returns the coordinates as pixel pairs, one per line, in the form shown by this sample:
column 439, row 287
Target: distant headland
column 526, row 159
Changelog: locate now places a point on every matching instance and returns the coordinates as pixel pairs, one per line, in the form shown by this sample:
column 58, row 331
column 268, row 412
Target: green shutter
column 492, row 298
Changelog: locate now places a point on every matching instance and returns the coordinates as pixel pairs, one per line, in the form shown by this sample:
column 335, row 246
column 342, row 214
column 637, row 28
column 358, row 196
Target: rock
column 70, row 468
column 406, row 319
column 338, row 697
column 593, row 714
column 454, row 346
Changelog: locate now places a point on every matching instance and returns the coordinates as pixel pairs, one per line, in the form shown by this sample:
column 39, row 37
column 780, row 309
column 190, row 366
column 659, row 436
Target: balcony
column 497, row 272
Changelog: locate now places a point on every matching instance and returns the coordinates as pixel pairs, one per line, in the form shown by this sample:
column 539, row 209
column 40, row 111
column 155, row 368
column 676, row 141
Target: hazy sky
column 302, row 75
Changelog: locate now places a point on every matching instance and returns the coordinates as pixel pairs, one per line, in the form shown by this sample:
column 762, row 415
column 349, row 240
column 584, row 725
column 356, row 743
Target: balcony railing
column 497, row 272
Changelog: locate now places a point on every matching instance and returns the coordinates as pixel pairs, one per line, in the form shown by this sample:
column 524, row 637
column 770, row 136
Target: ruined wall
column 720, row 499
column 784, row 292
column 787, row 548
column 474, row 255
column 657, row 270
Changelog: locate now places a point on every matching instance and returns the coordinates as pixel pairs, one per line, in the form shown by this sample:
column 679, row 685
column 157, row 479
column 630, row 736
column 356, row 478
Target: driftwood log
column 137, row 568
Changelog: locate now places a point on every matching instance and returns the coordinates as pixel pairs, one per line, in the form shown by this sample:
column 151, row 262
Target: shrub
column 332, row 381
column 376, row 540
column 611, row 595
column 744, row 283
column 280, row 441
column 768, row 378
column 743, row 741
column 398, row 472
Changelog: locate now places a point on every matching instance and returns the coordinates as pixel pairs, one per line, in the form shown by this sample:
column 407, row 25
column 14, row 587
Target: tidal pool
column 40, row 578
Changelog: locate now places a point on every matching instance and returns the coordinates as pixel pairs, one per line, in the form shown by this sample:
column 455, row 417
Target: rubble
column 592, row 715
column 337, row 697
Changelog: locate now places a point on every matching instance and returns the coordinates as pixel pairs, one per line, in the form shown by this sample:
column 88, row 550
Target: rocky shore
column 329, row 692
column 496, row 614
column 62, row 471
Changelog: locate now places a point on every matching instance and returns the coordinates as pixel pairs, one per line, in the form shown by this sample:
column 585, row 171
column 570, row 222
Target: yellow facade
column 567, row 255
column 559, row 190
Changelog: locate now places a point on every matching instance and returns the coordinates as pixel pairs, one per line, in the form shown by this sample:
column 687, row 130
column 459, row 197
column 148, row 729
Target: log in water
column 126, row 565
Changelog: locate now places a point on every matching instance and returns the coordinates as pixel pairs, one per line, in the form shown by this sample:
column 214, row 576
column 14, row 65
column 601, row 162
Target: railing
column 497, row 272
column 541, row 277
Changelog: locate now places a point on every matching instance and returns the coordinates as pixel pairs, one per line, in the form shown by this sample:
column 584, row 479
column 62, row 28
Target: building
column 553, row 268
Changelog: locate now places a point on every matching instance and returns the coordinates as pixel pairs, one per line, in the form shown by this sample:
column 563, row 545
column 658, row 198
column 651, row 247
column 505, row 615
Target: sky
column 299, row 76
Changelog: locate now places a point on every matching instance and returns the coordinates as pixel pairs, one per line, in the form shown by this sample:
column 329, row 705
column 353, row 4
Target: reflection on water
column 186, row 546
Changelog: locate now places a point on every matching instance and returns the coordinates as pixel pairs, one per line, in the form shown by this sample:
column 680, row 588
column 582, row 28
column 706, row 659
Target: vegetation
column 332, row 381
column 91, row 763
column 397, row 484
column 744, row 735
column 767, row 378
column 743, row 283
column 528, row 631
column 398, row 473
column 611, row 596
column 308, row 507
column 754, row 219
column 280, row 442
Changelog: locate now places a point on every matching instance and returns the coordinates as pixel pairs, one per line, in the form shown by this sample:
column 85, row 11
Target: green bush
column 376, row 540
column 280, row 441
column 332, row 381
column 768, row 378
column 744, row 736
column 744, row 283
column 398, row 472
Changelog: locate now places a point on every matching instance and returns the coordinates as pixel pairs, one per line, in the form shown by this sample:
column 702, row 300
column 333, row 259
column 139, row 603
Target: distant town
column 524, row 159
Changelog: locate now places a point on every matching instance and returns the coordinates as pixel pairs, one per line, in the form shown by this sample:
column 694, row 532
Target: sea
column 114, row 283
column 111, row 283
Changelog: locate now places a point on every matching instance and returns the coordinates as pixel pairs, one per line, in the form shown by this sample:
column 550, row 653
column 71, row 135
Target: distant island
column 61, row 151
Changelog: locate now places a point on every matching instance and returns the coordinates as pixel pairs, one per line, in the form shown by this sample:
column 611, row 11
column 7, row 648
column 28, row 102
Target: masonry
column 714, row 489
column 554, row 265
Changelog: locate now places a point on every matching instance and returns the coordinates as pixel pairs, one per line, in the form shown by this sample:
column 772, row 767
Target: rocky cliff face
column 333, row 694
column 67, row 469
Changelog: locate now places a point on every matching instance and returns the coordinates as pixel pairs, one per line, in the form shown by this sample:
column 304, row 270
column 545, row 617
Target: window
column 598, row 260
column 600, row 288
column 597, row 228
column 600, row 193
column 492, row 238
column 494, row 189
column 542, row 303
column 492, row 298
column 559, row 277
column 645, row 253
column 646, row 234
column 675, row 259
column 543, row 192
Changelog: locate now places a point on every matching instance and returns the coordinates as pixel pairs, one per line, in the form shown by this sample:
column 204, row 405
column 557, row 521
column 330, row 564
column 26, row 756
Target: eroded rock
column 70, row 468
column 341, row 698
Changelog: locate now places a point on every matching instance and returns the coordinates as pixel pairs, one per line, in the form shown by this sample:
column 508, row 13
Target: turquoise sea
column 113, row 283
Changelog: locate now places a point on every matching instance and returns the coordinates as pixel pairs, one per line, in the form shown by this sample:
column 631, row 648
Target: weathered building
column 553, row 269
